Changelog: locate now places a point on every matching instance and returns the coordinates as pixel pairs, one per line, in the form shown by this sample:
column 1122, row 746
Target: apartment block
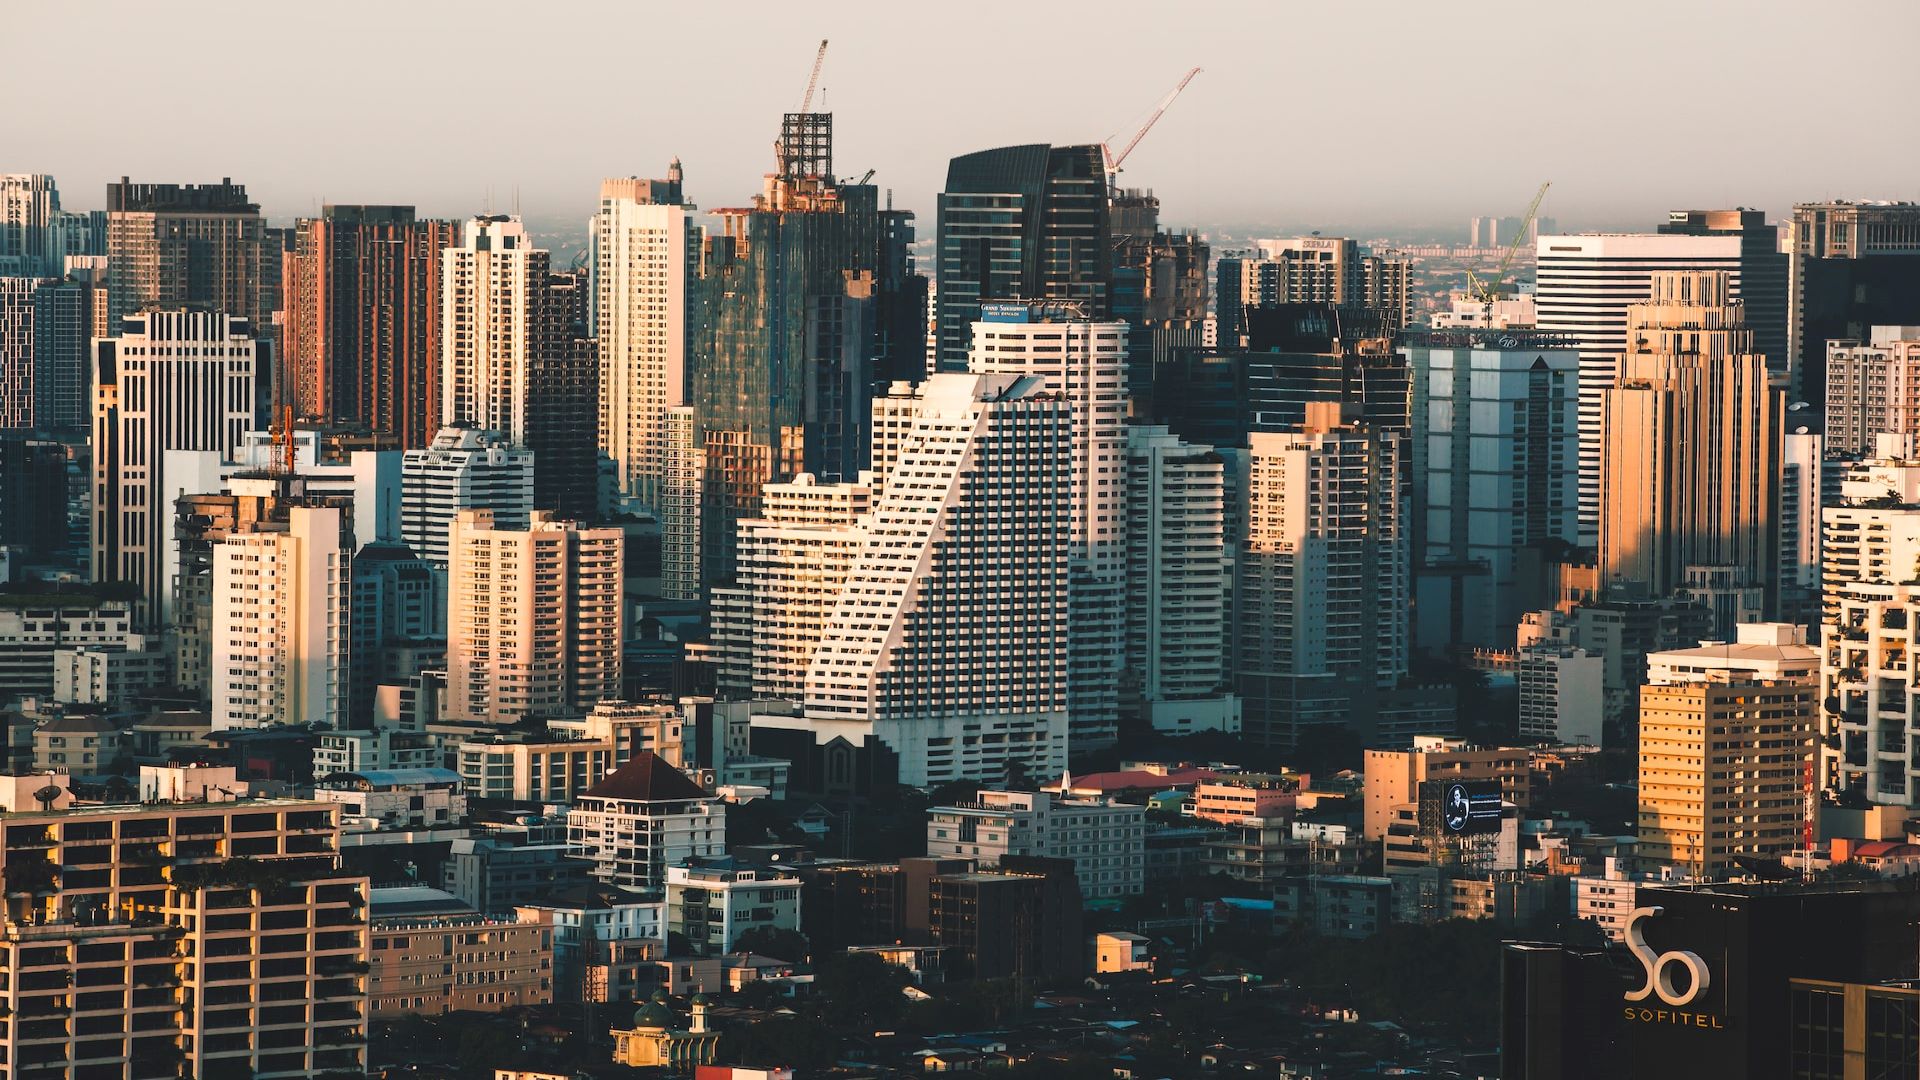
column 1103, row 839
column 1393, row 777
column 644, row 818
column 435, row 964
column 713, row 902
column 1873, row 387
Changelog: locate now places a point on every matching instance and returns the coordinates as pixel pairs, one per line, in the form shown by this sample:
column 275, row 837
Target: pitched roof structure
column 646, row 778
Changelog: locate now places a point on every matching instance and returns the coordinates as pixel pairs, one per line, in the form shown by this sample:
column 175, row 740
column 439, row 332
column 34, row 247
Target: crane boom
column 1488, row 291
column 1114, row 160
column 813, row 80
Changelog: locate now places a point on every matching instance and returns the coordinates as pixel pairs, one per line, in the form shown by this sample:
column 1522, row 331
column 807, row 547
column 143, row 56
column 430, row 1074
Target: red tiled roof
column 647, row 778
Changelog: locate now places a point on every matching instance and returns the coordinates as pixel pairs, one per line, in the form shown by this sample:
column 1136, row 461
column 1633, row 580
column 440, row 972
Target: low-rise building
column 1265, row 851
column 711, row 903
column 109, row 677
column 1393, row 777
column 1105, row 839
column 1117, row 951
column 1246, row 795
column 379, row 749
column 595, row 930
column 495, row 877
column 460, row 963
column 78, row 743
column 394, row 798
column 645, row 817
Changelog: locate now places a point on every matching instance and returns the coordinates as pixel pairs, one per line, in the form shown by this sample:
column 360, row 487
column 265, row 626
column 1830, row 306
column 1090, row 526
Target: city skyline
column 906, row 107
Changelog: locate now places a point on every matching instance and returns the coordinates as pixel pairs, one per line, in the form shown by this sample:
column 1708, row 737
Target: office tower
column 1763, row 271
column 1851, row 268
column 645, row 252
column 1498, row 440
column 563, row 385
column 1321, row 589
column 33, row 496
column 642, row 818
column 63, row 335
column 1691, row 440
column 1312, row 270
column 464, row 469
column 1872, row 387
column 534, row 618
column 172, row 245
column 1019, row 223
column 949, row 642
column 280, row 633
column 1583, row 288
column 172, row 380
column 1870, row 541
column 94, row 929
column 29, row 206
column 1179, row 577
column 363, row 320
column 1086, row 363
column 683, row 471
column 793, row 562
column 1726, row 739
column 1294, row 354
column 394, row 607
column 783, row 365
column 16, row 352
column 491, row 301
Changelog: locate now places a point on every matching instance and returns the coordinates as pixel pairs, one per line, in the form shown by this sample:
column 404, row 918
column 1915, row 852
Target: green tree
column 775, row 941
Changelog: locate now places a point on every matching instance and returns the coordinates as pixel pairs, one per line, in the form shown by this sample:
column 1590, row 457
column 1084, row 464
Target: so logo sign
column 1660, row 967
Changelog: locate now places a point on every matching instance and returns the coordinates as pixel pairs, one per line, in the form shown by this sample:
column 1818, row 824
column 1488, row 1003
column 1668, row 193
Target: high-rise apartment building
column 534, row 620
column 281, row 591
column 1691, row 443
column 189, row 934
column 1020, row 223
column 172, row 245
column 1292, row 354
column 1870, row 549
column 1179, row 580
column 646, row 250
column 16, row 352
column 1852, row 267
column 29, row 203
column 1321, row 591
column 683, row 470
column 949, row 644
column 362, row 331
column 1584, row 286
column 172, row 380
column 394, row 610
column 1764, row 271
column 782, row 369
column 1086, row 363
column 1312, row 270
column 463, row 469
column 793, row 563
column 491, row 288
column 63, row 333
column 1872, row 387
column 1726, row 745
column 1496, row 447
column 1105, row 839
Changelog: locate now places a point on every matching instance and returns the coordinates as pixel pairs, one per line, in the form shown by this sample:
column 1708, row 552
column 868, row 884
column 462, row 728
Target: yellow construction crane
column 1113, row 159
column 1488, row 291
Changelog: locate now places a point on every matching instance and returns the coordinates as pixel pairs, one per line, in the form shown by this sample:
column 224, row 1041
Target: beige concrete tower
column 1690, row 444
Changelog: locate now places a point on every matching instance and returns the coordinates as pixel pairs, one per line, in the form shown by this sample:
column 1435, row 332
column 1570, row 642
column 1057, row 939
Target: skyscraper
column 363, row 320
column 948, row 644
column 1853, row 266
column 1763, row 271
column 1691, row 433
column 1319, row 619
column 280, row 634
column 1085, row 362
column 1584, row 286
column 62, row 352
column 172, row 380
column 645, row 254
column 177, row 244
column 1313, row 270
column 16, row 352
column 1873, row 387
column 563, row 385
column 29, row 203
column 491, row 299
column 1497, row 438
column 1020, row 223
column 782, row 366
column 533, row 618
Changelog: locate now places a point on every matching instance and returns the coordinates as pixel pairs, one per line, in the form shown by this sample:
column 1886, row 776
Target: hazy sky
column 1339, row 111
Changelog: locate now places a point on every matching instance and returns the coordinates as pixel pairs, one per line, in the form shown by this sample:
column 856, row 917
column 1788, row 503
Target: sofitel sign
column 1660, row 970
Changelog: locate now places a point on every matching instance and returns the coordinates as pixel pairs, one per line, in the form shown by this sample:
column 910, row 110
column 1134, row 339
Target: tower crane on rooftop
column 1114, row 160
column 1488, row 291
column 813, row 80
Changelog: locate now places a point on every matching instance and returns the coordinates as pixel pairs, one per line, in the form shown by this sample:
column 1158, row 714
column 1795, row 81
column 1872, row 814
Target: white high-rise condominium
column 1870, row 550
column 1872, row 387
column 172, row 380
column 1584, row 285
column 1321, row 597
column 492, row 288
column 949, row 640
column 533, row 618
column 793, row 562
column 464, row 469
column 644, row 244
column 1086, row 362
column 1179, row 576
column 280, row 594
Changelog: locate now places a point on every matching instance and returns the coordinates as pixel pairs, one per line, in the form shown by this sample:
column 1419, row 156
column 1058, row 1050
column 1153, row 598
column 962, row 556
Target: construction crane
column 1488, row 291
column 1114, row 160
column 813, row 80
